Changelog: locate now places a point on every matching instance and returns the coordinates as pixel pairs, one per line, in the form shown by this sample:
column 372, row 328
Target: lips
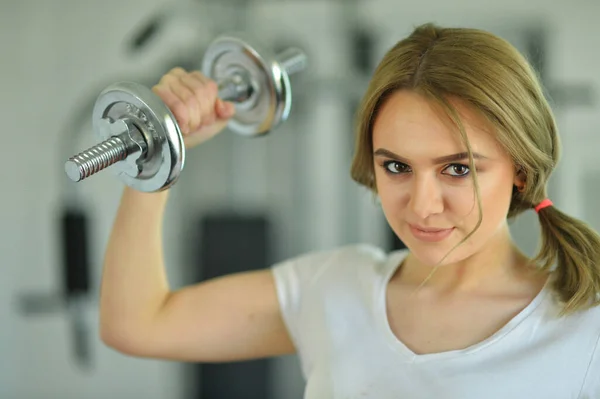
column 430, row 234
column 429, row 229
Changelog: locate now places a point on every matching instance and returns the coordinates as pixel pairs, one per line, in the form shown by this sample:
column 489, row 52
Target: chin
column 431, row 253
column 430, row 257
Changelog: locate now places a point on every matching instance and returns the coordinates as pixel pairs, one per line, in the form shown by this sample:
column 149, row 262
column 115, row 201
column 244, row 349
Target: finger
column 210, row 92
column 179, row 85
column 200, row 76
column 205, row 91
column 222, row 109
column 168, row 77
column 208, row 120
column 175, row 80
column 174, row 103
column 204, row 98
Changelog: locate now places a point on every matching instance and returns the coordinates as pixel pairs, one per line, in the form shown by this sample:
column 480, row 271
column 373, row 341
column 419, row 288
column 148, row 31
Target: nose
column 426, row 197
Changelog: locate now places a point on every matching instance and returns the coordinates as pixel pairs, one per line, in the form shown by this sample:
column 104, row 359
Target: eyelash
column 386, row 165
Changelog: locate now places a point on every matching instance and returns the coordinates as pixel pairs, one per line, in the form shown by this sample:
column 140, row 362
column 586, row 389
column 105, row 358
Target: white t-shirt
column 333, row 303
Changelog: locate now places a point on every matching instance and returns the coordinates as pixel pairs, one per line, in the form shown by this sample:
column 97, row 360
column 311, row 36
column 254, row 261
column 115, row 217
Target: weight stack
column 232, row 243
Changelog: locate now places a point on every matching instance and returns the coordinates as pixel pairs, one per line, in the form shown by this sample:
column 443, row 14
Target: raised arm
column 234, row 317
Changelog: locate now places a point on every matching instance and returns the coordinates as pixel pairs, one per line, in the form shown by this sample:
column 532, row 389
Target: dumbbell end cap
column 162, row 166
column 73, row 171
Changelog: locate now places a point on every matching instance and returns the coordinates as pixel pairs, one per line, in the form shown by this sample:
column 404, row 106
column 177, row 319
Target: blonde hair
column 489, row 74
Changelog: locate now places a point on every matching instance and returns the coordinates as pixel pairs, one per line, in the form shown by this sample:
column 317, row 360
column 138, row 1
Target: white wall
column 54, row 54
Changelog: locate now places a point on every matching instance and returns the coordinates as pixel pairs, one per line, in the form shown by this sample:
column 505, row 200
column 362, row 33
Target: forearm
column 134, row 281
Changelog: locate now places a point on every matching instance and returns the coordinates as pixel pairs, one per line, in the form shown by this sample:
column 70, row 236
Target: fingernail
column 220, row 106
column 230, row 108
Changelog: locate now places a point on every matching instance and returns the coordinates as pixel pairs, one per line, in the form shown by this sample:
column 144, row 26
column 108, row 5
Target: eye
column 460, row 170
column 394, row 167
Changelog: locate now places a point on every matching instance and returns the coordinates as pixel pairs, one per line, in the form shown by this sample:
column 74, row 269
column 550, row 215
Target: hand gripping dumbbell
column 140, row 136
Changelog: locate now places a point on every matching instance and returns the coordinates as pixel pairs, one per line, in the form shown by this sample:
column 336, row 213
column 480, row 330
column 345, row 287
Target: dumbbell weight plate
column 271, row 101
column 164, row 161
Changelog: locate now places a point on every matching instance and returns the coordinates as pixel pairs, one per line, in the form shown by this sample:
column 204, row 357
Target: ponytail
column 571, row 250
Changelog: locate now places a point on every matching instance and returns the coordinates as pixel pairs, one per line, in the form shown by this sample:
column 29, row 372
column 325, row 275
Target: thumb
column 224, row 109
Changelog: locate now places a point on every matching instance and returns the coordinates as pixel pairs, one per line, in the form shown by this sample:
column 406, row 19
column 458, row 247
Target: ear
column 520, row 179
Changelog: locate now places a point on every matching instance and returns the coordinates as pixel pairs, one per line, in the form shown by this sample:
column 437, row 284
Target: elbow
column 115, row 339
column 132, row 336
column 122, row 339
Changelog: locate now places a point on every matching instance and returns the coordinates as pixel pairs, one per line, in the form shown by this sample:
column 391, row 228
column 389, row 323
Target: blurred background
column 240, row 203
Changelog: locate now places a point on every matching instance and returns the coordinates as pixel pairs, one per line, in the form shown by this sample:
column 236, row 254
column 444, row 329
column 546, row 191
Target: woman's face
column 424, row 182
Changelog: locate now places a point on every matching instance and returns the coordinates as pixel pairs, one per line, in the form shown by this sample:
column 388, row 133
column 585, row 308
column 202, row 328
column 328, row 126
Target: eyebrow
column 445, row 159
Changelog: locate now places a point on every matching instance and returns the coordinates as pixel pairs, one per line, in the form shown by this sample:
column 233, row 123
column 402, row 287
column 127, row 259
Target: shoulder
column 318, row 287
column 352, row 268
column 362, row 251
column 311, row 266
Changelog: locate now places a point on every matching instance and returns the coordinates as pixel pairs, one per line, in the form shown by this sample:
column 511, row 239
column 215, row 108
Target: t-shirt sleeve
column 293, row 281
column 302, row 284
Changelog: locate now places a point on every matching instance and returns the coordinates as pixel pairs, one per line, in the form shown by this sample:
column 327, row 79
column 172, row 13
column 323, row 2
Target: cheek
column 495, row 200
column 460, row 201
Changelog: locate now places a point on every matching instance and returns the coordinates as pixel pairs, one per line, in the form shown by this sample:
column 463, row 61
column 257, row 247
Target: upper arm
column 229, row 318
column 240, row 316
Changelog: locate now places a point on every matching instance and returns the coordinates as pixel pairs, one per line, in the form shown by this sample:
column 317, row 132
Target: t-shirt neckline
column 393, row 262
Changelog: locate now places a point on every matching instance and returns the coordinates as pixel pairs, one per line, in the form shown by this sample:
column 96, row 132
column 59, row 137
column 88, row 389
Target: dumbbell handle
column 236, row 88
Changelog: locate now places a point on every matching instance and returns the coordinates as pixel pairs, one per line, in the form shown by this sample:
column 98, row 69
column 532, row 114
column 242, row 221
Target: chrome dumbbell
column 140, row 138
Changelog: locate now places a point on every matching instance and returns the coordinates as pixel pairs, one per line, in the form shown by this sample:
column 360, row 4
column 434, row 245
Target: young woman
column 455, row 137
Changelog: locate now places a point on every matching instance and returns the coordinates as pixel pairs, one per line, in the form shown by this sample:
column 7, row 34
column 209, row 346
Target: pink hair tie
column 545, row 203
